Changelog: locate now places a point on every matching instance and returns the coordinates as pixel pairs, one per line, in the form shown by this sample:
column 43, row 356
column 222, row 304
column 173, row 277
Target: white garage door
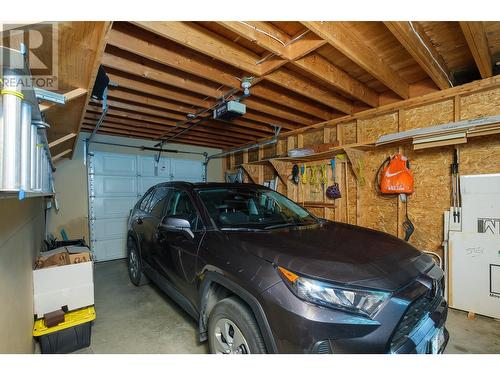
column 116, row 182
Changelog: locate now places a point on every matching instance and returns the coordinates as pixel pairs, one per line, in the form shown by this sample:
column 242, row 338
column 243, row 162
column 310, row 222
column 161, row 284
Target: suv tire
column 232, row 329
column 134, row 265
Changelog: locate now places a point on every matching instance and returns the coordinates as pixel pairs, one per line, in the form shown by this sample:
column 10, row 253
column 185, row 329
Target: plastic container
column 73, row 334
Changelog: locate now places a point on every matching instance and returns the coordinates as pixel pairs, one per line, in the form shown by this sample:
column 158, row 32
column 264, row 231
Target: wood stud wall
column 360, row 204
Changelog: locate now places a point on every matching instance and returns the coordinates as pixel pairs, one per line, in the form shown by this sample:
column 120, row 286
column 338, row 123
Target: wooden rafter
column 313, row 64
column 308, row 89
column 341, row 37
column 415, row 41
column 206, row 42
column 188, row 62
column 478, row 45
column 321, row 68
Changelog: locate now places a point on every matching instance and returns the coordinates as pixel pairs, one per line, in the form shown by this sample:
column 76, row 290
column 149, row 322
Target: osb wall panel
column 269, row 151
column 432, row 195
column 480, row 104
column 316, row 211
column 333, row 134
column 377, row 212
column 253, row 155
column 429, row 115
column 370, row 130
column 313, row 138
column 349, row 132
column 351, row 195
column 480, row 156
column 238, row 158
column 269, row 173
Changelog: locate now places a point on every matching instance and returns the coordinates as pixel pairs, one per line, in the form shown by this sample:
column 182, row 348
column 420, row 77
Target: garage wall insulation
column 22, row 228
column 431, row 167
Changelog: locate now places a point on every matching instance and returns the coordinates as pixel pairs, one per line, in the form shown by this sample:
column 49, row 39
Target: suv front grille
column 413, row 316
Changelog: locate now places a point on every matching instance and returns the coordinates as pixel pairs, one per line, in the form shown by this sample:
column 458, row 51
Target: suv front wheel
column 232, row 329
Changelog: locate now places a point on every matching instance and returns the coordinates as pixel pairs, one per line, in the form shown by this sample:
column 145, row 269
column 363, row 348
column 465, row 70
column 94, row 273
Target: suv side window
column 157, row 202
column 180, row 205
column 143, row 206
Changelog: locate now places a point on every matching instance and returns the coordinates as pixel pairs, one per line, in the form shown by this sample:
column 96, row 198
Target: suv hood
column 339, row 253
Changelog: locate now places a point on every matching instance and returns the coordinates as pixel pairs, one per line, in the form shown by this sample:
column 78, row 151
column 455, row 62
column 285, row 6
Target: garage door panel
column 187, row 170
column 116, row 182
column 144, row 183
column 112, row 186
column 106, row 208
column 110, row 249
column 106, row 229
column 115, row 164
column 147, row 167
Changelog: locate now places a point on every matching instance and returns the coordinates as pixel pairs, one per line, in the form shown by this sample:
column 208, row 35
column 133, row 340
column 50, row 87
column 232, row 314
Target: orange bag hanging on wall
column 397, row 177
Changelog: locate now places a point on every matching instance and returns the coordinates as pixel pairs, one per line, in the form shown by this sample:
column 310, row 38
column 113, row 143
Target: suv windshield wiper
column 244, row 229
column 284, row 225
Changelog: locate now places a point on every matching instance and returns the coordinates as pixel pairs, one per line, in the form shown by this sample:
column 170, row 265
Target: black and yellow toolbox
column 66, row 337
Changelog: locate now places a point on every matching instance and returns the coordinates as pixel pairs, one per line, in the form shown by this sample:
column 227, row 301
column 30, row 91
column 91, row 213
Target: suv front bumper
column 404, row 325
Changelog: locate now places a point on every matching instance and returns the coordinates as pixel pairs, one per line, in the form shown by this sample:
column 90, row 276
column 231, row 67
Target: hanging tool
column 303, row 176
column 314, row 181
column 324, row 178
column 333, row 191
column 295, row 174
column 455, row 187
column 408, row 226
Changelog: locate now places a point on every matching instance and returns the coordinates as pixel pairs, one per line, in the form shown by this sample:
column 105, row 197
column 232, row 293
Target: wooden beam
column 94, row 51
column 262, row 34
column 60, row 155
column 426, row 55
column 173, row 56
column 478, row 45
column 196, row 86
column 186, row 61
column 278, row 97
column 62, row 139
column 293, row 82
column 204, row 41
column 324, row 70
column 341, row 37
column 165, row 76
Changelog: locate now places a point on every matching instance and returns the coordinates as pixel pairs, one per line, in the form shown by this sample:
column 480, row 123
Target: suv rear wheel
column 232, row 329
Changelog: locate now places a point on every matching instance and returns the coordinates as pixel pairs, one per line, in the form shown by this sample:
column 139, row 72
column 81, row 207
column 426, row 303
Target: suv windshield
column 244, row 207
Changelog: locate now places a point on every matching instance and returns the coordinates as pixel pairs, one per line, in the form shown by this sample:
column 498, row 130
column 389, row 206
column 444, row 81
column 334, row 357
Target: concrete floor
column 143, row 320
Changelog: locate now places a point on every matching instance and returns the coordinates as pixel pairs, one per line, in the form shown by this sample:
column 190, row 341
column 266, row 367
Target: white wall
column 70, row 180
column 21, row 234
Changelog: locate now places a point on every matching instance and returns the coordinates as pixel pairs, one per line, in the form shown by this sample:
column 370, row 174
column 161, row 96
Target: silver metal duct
column 33, row 156
column 12, row 98
column 25, row 146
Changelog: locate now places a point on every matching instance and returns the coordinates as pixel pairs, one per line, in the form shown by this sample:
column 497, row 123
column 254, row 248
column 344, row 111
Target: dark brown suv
column 260, row 274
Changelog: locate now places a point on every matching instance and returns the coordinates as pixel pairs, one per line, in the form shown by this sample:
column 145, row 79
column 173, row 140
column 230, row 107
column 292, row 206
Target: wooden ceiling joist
column 308, row 89
column 342, row 38
column 322, row 69
column 208, row 43
column 192, row 64
column 415, row 41
column 478, row 45
column 256, row 32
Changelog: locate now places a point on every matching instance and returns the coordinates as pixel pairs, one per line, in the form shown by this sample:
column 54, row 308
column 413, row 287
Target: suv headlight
column 329, row 295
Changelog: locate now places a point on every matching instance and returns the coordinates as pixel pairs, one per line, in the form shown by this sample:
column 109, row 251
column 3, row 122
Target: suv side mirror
column 176, row 224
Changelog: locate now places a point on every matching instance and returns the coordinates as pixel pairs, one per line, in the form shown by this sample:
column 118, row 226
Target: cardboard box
column 63, row 277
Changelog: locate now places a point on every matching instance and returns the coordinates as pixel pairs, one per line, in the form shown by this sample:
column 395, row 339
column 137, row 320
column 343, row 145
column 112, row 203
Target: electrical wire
column 430, row 53
column 263, row 32
column 285, row 44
